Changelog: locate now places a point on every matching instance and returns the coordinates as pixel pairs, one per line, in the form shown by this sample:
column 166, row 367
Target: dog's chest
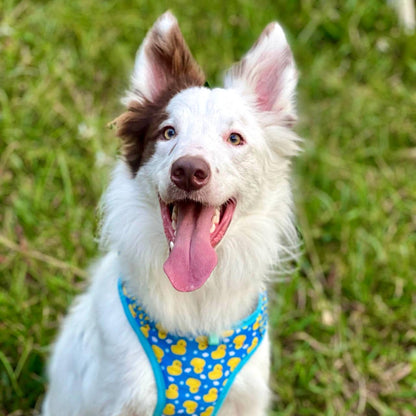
column 194, row 375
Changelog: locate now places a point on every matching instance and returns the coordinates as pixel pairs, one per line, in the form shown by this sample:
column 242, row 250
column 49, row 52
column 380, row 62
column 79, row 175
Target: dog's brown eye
column 235, row 139
column 169, row 133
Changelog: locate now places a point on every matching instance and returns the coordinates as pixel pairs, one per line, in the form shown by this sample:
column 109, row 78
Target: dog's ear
column 163, row 67
column 164, row 62
column 268, row 72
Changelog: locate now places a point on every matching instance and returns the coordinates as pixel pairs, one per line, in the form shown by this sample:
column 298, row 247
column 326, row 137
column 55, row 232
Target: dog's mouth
column 193, row 230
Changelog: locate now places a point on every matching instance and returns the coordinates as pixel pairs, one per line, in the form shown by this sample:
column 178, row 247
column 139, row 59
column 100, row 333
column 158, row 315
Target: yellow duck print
column 208, row 411
column 172, row 391
column 239, row 341
column 253, row 345
column 175, row 369
column 145, row 330
column 219, row 352
column 202, row 342
column 216, row 372
column 190, row 406
column 158, row 353
column 169, row 409
column 132, row 311
column 198, row 364
column 211, row 396
column 257, row 323
column 233, row 363
column 162, row 334
column 193, row 385
column 179, row 348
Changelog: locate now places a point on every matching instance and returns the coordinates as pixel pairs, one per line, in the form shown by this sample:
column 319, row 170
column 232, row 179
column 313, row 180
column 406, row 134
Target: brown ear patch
column 172, row 61
column 174, row 69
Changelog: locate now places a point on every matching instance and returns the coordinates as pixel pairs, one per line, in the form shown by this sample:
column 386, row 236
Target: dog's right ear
column 164, row 63
column 267, row 74
column 164, row 66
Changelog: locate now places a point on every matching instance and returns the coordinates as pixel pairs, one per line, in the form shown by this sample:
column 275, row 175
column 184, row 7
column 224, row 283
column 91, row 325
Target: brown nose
column 190, row 173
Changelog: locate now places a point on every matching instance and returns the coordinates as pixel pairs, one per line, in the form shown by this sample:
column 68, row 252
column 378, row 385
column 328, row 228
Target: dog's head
column 209, row 156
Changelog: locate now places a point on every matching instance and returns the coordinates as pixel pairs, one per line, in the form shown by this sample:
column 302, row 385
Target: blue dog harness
column 194, row 375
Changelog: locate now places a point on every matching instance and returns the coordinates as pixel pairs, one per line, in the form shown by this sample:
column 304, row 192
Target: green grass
column 344, row 328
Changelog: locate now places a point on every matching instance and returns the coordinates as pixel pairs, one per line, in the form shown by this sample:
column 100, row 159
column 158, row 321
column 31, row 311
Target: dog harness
column 194, row 375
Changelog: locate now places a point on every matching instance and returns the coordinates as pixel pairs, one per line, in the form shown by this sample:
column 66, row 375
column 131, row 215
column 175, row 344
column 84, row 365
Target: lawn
column 344, row 326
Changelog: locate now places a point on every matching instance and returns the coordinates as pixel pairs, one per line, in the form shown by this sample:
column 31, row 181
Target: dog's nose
column 190, row 173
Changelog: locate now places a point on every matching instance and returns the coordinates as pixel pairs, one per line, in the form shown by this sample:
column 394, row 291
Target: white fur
column 261, row 63
column 98, row 366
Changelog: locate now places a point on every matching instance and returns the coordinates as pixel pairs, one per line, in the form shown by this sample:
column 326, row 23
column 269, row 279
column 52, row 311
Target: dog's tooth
column 175, row 213
column 171, row 245
column 216, row 217
column 213, row 226
column 174, row 225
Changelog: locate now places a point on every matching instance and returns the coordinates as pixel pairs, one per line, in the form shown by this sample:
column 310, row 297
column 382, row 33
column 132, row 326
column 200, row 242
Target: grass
column 344, row 327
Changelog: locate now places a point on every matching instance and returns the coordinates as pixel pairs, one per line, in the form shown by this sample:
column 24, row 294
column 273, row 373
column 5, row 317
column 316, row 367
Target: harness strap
column 194, row 375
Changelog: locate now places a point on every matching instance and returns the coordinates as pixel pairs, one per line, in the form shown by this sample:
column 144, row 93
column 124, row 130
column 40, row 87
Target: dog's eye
column 235, row 139
column 169, row 133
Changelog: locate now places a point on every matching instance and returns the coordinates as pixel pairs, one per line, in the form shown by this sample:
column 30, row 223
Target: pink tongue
column 192, row 259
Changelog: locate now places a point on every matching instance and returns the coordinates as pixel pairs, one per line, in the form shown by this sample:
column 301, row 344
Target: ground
column 344, row 326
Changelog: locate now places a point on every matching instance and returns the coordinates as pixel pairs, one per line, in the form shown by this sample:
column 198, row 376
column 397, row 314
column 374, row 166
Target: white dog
column 197, row 215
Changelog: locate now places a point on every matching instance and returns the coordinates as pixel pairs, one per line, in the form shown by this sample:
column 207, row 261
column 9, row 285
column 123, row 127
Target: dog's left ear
column 268, row 73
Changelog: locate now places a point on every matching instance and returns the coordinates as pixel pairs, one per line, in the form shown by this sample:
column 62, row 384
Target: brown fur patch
column 175, row 70
column 172, row 57
column 138, row 128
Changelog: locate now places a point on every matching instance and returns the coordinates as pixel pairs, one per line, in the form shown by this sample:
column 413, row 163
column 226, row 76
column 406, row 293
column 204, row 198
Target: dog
column 195, row 219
